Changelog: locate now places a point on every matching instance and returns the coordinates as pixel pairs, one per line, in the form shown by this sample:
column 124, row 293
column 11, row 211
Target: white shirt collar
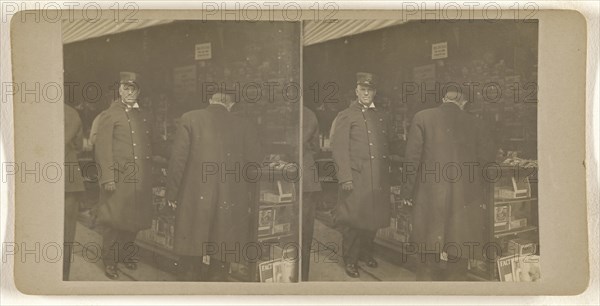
column 135, row 105
column 370, row 106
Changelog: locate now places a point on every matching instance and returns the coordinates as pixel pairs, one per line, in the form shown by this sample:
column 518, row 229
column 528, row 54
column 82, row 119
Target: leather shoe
column 370, row 262
column 111, row 272
column 131, row 265
column 352, row 270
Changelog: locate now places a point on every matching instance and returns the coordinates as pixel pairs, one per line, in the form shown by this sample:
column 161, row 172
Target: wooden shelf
column 511, row 201
column 274, row 237
column 262, row 205
column 515, row 231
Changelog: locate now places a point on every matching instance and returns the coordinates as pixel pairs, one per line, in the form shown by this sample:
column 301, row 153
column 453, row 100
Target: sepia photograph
column 186, row 137
column 419, row 151
column 427, row 151
column 335, row 152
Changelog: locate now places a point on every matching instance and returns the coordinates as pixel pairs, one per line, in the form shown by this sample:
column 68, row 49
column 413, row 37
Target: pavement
column 326, row 261
column 87, row 264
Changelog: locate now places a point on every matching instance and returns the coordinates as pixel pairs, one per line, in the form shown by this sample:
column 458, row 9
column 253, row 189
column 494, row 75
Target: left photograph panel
column 183, row 137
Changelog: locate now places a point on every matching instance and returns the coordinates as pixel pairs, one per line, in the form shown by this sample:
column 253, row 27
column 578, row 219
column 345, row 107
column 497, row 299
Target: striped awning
column 314, row 31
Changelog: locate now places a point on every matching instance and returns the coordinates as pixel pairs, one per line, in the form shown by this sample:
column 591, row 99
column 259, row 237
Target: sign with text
column 439, row 50
column 203, row 51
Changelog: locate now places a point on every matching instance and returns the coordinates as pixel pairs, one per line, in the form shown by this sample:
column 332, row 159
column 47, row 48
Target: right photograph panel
column 420, row 151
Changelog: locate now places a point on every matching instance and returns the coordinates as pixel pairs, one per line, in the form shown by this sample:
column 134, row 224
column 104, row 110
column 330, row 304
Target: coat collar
column 122, row 105
column 449, row 105
column 357, row 106
column 217, row 107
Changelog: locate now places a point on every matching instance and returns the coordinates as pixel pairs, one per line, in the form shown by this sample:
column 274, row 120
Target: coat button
column 135, row 157
column 147, row 132
column 384, row 156
column 144, row 119
column 201, row 198
column 147, row 157
column 370, row 143
column 380, row 119
column 369, row 132
column 132, row 132
column 134, row 144
column 372, row 157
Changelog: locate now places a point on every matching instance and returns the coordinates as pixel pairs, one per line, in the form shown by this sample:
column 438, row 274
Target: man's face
column 129, row 92
column 365, row 94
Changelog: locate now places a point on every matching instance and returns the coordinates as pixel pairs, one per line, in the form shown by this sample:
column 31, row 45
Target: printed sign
column 439, row 50
column 203, row 51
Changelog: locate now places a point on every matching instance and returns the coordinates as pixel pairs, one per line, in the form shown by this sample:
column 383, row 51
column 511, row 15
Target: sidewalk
column 87, row 264
column 327, row 263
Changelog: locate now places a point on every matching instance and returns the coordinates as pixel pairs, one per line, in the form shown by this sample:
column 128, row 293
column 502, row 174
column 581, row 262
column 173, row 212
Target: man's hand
column 407, row 202
column 347, row 186
column 110, row 186
column 172, row 204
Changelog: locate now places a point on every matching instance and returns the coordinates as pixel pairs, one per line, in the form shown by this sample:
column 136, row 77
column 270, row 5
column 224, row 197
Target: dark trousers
column 431, row 268
column 356, row 243
column 72, row 200
column 118, row 246
column 308, row 225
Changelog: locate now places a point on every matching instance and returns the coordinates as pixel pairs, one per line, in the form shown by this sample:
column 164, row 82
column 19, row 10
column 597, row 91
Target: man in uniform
column 360, row 143
column 207, row 187
column 446, row 151
column 74, row 187
column 124, row 158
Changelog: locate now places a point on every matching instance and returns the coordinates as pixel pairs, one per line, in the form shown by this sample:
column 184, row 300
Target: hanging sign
column 439, row 50
column 203, row 51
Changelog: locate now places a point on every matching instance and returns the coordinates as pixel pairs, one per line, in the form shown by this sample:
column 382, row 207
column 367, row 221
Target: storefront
column 181, row 64
column 495, row 61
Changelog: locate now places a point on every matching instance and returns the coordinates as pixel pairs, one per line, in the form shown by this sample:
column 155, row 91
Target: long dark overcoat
column 446, row 151
column 212, row 151
column 73, row 146
column 124, row 155
column 360, row 143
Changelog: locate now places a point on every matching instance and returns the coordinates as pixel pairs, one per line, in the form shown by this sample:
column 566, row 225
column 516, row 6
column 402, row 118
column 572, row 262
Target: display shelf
column 263, row 204
column 270, row 176
column 274, row 237
column 498, row 201
column 517, row 208
column 516, row 231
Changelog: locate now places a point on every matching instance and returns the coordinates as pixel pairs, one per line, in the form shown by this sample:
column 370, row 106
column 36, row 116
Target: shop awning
column 314, row 31
column 321, row 31
column 81, row 29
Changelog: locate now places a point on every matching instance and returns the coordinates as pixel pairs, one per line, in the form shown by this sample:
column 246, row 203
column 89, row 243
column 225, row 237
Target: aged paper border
column 562, row 57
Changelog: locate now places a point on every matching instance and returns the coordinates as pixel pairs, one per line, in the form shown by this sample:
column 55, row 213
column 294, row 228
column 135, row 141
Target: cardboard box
column 522, row 246
column 518, row 223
